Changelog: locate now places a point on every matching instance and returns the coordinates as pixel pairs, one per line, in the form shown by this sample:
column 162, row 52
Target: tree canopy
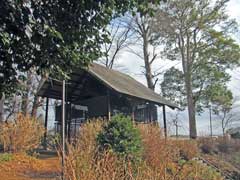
column 199, row 35
column 54, row 36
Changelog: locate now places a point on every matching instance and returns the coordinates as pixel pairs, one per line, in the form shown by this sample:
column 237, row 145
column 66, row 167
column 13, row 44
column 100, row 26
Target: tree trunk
column 176, row 124
column 187, row 69
column 36, row 103
column 223, row 128
column 210, row 118
column 148, row 70
column 149, row 76
column 25, row 102
column 191, row 107
column 25, row 98
column 2, row 98
column 35, row 106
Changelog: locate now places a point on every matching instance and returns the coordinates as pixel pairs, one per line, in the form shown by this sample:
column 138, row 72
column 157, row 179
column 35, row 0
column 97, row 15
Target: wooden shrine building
column 102, row 92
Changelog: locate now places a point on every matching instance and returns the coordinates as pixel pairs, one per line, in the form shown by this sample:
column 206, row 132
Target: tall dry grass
column 162, row 159
column 21, row 135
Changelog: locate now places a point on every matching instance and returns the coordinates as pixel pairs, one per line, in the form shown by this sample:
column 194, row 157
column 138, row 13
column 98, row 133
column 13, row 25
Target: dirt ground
column 23, row 167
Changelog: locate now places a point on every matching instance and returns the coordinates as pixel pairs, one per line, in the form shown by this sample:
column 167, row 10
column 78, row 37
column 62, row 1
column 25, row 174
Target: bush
column 120, row 136
column 156, row 151
column 187, row 148
column 160, row 158
column 80, row 159
column 52, row 141
column 21, row 135
column 207, row 145
column 194, row 170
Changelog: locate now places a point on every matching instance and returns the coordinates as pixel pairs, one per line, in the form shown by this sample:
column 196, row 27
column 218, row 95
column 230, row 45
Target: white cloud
column 233, row 9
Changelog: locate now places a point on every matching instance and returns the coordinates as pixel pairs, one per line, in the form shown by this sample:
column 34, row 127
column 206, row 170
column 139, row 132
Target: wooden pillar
column 63, row 126
column 45, row 124
column 108, row 105
column 69, row 122
column 133, row 115
column 150, row 112
column 164, row 121
column 75, row 129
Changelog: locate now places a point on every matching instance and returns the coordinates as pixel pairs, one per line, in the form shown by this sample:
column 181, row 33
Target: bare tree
column 142, row 27
column 11, row 103
column 26, row 100
column 176, row 122
column 227, row 117
column 37, row 101
column 120, row 38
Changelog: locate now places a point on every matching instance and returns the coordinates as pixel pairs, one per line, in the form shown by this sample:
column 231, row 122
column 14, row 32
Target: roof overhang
column 115, row 80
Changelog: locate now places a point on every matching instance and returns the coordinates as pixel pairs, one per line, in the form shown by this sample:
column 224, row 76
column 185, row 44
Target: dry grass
column 24, row 167
column 165, row 158
column 162, row 159
column 223, row 153
column 218, row 145
column 21, row 135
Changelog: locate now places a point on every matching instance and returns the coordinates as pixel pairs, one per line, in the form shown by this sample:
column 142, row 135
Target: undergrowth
column 5, row 157
column 161, row 159
column 21, row 135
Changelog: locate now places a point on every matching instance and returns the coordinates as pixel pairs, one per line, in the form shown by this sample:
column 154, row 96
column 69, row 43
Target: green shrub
column 5, row 157
column 121, row 137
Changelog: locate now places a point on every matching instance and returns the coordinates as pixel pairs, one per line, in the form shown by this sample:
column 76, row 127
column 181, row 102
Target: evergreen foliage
column 120, row 136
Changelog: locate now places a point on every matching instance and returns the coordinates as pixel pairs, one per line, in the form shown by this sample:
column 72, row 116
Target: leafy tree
column 222, row 104
column 54, row 35
column 120, row 136
column 198, row 34
column 173, row 87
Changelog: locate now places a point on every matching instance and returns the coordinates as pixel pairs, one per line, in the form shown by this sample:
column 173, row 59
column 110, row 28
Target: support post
column 108, row 105
column 69, row 122
column 164, row 121
column 45, row 124
column 133, row 115
column 63, row 126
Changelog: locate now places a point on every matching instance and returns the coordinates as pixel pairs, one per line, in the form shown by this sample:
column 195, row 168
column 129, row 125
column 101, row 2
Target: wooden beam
column 69, row 122
column 45, row 124
column 164, row 121
column 133, row 115
column 79, row 83
column 108, row 105
column 63, row 126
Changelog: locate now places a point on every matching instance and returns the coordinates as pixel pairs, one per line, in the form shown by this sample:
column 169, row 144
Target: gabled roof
column 115, row 80
column 125, row 84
